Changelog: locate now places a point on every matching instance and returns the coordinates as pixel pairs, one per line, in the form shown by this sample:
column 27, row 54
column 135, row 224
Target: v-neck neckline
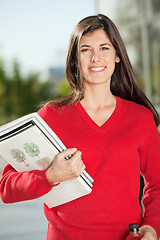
column 83, row 113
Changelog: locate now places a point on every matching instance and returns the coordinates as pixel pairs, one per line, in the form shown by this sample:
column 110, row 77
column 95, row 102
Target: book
column 28, row 143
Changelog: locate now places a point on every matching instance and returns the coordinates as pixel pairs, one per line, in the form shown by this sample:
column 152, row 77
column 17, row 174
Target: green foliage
column 64, row 88
column 18, row 155
column 32, row 149
column 20, row 95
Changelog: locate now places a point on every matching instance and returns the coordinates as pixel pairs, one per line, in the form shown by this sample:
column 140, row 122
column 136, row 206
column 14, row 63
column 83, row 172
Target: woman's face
column 97, row 57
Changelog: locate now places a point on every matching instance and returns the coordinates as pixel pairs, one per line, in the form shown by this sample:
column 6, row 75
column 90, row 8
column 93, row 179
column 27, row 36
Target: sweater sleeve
column 20, row 186
column 16, row 187
column 150, row 169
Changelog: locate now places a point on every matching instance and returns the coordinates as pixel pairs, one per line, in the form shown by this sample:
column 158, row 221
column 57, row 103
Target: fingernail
column 74, row 149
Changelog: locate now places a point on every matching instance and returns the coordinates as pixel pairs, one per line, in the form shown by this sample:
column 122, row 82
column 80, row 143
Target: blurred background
column 34, row 37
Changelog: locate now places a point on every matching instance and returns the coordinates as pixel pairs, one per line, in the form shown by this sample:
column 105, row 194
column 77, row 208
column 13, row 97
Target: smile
column 97, row 69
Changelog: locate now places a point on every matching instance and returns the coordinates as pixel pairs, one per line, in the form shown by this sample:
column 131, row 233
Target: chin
column 99, row 82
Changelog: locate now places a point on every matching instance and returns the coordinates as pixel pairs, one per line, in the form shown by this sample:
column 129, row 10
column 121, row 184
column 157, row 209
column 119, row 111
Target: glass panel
column 139, row 24
column 155, row 63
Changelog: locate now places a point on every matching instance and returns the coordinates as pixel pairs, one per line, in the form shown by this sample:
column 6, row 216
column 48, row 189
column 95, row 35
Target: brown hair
column 123, row 81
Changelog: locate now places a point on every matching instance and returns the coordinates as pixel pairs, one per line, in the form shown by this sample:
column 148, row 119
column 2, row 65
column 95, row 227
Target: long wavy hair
column 123, row 81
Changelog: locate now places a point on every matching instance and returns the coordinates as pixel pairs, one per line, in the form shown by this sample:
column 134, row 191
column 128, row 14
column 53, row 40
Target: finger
column 77, row 155
column 143, row 238
column 148, row 233
column 82, row 168
column 75, row 160
column 76, row 165
column 67, row 152
column 148, row 236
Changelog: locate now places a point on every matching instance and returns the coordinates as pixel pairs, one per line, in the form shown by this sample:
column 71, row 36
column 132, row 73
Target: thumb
column 148, row 233
column 68, row 152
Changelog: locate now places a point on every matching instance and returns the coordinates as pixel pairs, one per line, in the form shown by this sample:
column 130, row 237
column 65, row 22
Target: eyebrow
column 101, row 45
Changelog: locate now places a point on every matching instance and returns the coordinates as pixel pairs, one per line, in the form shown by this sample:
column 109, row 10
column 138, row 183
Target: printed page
column 28, row 150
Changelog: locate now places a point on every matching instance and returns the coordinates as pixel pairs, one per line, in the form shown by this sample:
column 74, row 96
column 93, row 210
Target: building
column 139, row 24
column 56, row 76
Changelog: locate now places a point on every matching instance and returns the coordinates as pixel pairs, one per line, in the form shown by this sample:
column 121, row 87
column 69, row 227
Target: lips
column 97, row 69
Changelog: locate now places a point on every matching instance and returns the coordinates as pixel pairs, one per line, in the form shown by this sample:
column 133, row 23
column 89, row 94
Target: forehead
column 98, row 36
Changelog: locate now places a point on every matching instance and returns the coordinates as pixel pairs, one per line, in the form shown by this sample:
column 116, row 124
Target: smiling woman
column 112, row 126
column 123, row 81
column 97, row 58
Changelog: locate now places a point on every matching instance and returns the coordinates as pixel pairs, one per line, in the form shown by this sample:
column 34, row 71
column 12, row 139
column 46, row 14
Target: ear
column 117, row 59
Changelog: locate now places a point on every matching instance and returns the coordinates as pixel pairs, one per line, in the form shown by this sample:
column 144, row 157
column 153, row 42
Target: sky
column 37, row 32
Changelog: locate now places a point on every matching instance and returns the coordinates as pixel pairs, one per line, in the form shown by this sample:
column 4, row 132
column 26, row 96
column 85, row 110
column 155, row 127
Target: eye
column 104, row 48
column 85, row 50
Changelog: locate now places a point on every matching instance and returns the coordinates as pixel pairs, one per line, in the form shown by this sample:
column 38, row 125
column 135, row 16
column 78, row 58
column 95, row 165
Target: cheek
column 113, row 67
column 83, row 71
column 83, row 65
column 111, row 60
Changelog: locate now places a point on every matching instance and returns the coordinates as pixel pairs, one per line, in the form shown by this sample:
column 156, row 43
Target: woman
column 113, row 127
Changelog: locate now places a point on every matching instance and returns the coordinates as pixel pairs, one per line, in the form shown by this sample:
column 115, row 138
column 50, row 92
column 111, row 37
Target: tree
column 63, row 88
column 4, row 84
column 32, row 149
column 19, row 156
column 20, row 94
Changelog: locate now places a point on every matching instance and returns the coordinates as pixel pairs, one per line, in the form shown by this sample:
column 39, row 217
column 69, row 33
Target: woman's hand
column 148, row 233
column 62, row 169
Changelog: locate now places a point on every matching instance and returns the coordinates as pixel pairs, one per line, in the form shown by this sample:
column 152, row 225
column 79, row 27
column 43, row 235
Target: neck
column 97, row 96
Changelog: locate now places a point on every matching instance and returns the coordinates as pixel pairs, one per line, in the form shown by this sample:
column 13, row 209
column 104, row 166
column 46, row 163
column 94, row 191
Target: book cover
column 28, row 143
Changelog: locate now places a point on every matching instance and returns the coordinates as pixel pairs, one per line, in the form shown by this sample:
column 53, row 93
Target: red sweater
column 114, row 155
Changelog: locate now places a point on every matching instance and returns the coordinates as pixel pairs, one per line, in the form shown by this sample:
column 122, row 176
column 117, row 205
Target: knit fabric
column 114, row 154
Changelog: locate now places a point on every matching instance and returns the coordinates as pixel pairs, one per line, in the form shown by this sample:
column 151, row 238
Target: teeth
column 97, row 69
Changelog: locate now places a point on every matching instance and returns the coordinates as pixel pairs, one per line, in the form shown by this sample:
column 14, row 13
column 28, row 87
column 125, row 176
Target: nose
column 92, row 59
column 95, row 57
